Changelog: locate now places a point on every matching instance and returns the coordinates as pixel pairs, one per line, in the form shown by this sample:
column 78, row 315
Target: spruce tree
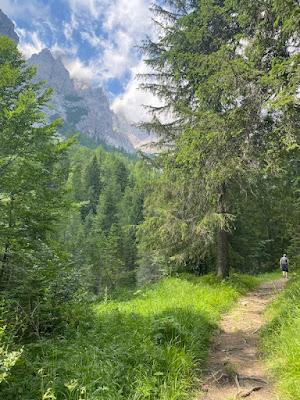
column 92, row 183
column 227, row 83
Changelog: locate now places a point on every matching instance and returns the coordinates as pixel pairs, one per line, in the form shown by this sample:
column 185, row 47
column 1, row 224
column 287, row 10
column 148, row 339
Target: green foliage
column 281, row 341
column 92, row 184
column 263, row 224
column 93, row 143
column 31, row 185
column 9, row 354
column 7, row 358
column 107, row 194
column 32, row 195
column 228, row 80
column 139, row 344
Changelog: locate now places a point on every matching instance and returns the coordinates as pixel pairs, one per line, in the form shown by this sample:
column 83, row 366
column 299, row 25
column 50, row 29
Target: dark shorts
column 285, row 268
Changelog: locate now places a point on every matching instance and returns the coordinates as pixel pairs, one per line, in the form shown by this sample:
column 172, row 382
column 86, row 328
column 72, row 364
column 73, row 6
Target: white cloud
column 70, row 49
column 79, row 71
column 111, row 27
column 91, row 38
column 123, row 25
column 131, row 16
column 118, row 56
column 29, row 10
column 126, row 23
column 131, row 102
column 94, row 7
column 68, row 30
column 30, row 43
column 113, row 59
column 17, row 8
column 69, row 27
column 82, row 72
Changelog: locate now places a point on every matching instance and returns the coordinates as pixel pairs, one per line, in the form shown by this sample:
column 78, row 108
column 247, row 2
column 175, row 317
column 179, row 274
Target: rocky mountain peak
column 45, row 55
column 7, row 28
column 52, row 71
column 83, row 108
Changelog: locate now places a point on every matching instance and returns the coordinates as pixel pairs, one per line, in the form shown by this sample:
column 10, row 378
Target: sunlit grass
column 281, row 341
column 142, row 344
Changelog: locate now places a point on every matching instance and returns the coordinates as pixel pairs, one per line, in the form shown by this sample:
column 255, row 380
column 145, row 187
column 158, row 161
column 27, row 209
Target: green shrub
column 9, row 353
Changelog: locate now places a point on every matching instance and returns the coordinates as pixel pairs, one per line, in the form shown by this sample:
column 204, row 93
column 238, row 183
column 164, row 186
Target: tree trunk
column 223, row 261
column 5, row 260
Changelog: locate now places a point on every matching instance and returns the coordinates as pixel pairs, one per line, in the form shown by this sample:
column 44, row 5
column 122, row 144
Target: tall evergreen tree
column 92, row 183
column 32, row 194
column 216, row 78
column 120, row 173
column 108, row 208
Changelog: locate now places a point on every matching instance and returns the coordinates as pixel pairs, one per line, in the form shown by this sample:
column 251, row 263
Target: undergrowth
column 281, row 341
column 143, row 344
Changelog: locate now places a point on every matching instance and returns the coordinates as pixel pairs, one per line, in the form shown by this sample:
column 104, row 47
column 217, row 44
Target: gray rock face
column 84, row 108
column 7, row 28
column 140, row 139
column 52, row 71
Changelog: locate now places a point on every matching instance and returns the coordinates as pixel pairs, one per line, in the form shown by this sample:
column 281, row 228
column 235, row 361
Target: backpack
column 284, row 261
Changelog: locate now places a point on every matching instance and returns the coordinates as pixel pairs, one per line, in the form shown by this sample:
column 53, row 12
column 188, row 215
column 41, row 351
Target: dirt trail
column 235, row 370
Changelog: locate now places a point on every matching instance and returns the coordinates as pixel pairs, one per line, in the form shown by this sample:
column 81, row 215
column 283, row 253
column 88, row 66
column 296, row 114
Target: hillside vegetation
column 78, row 223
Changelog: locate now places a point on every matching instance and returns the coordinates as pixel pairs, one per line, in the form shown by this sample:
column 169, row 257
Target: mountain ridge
column 82, row 107
column 7, row 27
column 86, row 109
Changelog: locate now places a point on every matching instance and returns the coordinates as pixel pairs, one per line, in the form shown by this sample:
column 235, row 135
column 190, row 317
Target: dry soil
column 235, row 369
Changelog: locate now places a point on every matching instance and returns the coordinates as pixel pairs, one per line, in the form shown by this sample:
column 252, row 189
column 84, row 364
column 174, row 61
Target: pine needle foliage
column 227, row 74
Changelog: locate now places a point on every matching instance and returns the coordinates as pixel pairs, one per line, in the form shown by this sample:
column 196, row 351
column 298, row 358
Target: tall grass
column 146, row 344
column 281, row 341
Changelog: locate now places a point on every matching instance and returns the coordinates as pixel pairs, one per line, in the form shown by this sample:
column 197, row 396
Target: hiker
column 284, row 265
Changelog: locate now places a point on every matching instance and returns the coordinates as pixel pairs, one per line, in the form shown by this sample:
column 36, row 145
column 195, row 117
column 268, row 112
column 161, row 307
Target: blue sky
column 97, row 37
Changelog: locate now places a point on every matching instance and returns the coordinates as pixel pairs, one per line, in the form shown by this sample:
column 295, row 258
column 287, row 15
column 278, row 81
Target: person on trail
column 284, row 265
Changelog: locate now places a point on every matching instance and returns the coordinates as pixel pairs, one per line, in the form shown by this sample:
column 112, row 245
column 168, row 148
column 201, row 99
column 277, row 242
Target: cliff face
column 7, row 28
column 140, row 139
column 83, row 108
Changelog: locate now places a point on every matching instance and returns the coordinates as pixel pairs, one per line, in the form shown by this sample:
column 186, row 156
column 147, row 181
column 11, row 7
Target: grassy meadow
column 144, row 344
column 281, row 341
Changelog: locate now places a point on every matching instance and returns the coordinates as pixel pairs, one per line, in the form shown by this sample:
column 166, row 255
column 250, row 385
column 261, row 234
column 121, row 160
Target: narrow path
column 235, row 370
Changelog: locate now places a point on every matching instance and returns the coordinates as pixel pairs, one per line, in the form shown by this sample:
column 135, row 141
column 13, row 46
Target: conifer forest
column 116, row 266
